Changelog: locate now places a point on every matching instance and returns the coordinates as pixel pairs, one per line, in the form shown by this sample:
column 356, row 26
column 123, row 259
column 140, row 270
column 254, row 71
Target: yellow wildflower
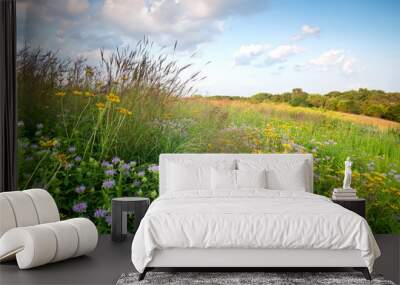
column 113, row 98
column 100, row 106
column 60, row 94
column 48, row 143
column 77, row 93
column 287, row 147
column 125, row 111
column 167, row 115
column 89, row 94
column 62, row 158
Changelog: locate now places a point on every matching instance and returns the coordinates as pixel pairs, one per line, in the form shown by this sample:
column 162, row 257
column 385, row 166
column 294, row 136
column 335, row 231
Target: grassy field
column 241, row 127
column 87, row 139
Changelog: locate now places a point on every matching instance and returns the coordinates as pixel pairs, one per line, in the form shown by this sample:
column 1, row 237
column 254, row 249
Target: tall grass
column 74, row 118
column 106, row 109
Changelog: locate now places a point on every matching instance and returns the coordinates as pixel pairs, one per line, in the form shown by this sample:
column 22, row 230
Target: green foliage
column 260, row 97
column 375, row 103
column 73, row 180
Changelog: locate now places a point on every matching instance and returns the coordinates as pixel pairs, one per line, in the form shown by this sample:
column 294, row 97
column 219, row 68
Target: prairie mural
column 91, row 125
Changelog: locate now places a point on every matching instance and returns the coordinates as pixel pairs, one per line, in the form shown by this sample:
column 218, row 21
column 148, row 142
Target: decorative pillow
column 223, row 179
column 182, row 177
column 184, row 174
column 251, row 179
column 288, row 175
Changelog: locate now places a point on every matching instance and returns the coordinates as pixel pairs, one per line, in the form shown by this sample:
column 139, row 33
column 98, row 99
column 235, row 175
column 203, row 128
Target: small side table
column 120, row 207
column 356, row 205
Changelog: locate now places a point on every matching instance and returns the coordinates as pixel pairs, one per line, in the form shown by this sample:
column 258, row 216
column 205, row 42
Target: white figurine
column 347, row 174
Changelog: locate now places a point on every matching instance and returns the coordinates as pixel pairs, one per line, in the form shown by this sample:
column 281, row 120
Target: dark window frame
column 8, row 98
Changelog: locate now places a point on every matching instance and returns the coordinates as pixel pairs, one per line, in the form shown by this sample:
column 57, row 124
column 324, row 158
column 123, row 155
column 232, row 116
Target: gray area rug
column 228, row 278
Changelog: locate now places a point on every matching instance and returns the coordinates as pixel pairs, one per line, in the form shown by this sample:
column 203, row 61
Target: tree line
column 374, row 103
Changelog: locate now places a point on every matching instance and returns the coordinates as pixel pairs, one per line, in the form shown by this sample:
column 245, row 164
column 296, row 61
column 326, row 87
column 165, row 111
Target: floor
column 103, row 266
column 110, row 260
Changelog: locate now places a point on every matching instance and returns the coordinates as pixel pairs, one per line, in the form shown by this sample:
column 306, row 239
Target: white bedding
column 250, row 219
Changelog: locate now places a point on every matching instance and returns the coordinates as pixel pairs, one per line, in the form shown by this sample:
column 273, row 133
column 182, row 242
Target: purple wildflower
column 153, row 168
column 397, row 177
column 72, row 149
column 141, row 173
column 108, row 219
column 106, row 164
column 80, row 189
column 34, row 146
column 79, row 207
column 78, row 158
column 108, row 184
column 109, row 172
column 115, row 160
column 125, row 166
column 100, row 213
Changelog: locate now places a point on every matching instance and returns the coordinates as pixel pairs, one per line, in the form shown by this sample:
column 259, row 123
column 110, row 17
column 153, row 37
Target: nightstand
column 120, row 207
column 356, row 205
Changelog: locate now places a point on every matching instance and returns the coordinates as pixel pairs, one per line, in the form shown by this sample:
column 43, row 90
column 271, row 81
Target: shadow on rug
column 228, row 278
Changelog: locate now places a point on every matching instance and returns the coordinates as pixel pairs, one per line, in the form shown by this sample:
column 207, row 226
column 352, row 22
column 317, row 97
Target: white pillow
column 251, row 178
column 223, row 179
column 291, row 175
column 185, row 174
column 183, row 177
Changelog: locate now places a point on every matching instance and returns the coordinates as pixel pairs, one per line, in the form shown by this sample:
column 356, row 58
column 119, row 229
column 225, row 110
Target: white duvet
column 250, row 219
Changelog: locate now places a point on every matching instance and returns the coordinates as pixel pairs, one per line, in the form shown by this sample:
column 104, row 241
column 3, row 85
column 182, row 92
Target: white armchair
column 31, row 230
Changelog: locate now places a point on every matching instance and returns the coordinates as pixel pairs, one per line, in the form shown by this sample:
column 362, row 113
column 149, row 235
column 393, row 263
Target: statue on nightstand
column 347, row 174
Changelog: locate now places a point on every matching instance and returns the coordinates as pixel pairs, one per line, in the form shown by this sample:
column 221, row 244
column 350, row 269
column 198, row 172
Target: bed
column 246, row 211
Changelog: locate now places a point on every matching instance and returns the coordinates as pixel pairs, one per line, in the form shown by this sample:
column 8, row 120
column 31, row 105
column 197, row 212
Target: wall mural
column 105, row 86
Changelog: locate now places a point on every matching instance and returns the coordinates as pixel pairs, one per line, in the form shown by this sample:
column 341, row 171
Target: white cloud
column 248, row 53
column 81, row 24
column 280, row 53
column 55, row 9
column 335, row 58
column 190, row 22
column 348, row 65
column 261, row 54
column 76, row 7
column 307, row 30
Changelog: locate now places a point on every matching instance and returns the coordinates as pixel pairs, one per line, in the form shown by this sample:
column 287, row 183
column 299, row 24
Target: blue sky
column 254, row 46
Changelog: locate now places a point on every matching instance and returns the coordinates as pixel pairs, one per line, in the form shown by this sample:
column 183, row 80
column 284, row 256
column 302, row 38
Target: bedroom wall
column 104, row 87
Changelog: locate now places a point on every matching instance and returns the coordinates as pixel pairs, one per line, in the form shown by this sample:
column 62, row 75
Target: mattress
column 250, row 219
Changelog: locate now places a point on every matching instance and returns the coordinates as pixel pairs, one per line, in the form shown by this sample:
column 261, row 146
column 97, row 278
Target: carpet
column 268, row 278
